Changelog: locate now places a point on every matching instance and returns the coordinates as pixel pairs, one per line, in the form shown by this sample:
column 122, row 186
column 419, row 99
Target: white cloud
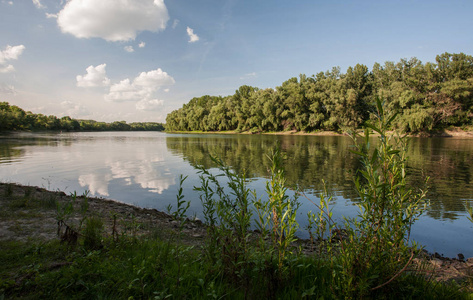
column 129, row 49
column 155, row 78
column 166, row 90
column 51, row 16
column 96, row 76
column 123, row 91
column 142, row 44
column 174, row 24
column 10, row 53
column 142, row 88
column 7, row 69
column 149, row 105
column 38, row 4
column 112, row 20
column 192, row 36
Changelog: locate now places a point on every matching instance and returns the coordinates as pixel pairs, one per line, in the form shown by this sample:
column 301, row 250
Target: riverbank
column 30, row 215
column 456, row 132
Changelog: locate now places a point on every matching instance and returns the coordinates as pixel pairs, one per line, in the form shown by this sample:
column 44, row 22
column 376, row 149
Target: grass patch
column 29, row 200
column 147, row 268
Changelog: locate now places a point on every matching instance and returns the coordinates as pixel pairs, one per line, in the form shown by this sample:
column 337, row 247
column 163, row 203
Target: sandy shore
column 452, row 132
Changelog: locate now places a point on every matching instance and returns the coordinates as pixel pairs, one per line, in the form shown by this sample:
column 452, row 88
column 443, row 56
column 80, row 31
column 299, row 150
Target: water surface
column 143, row 168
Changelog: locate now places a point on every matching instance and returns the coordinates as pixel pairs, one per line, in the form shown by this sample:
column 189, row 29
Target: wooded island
column 428, row 97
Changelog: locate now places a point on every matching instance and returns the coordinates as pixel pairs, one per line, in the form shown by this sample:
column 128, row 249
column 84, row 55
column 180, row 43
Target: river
column 143, row 168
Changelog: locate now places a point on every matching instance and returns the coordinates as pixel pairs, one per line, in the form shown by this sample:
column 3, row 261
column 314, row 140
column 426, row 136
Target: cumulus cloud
column 155, row 78
column 129, row 49
column 96, row 76
column 112, row 20
column 192, row 36
column 51, row 16
column 123, row 91
column 38, row 4
column 142, row 44
column 142, row 88
column 10, row 53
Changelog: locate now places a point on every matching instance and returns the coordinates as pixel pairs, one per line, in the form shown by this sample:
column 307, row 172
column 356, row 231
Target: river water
column 143, row 168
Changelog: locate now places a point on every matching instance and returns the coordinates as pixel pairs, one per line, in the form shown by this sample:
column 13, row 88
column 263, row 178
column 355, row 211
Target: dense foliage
column 428, row 96
column 13, row 117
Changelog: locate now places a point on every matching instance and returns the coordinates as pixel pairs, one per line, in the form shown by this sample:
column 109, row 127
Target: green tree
column 428, row 96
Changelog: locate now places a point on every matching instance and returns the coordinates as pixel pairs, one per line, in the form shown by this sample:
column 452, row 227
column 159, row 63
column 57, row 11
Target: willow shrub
column 228, row 208
column 277, row 215
column 378, row 249
column 228, row 214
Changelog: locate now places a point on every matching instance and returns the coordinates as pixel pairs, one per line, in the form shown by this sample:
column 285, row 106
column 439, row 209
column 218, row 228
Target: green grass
column 147, row 268
column 29, row 200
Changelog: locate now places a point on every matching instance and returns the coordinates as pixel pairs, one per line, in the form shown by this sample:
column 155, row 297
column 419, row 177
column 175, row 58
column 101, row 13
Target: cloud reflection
column 133, row 165
column 98, row 184
column 144, row 173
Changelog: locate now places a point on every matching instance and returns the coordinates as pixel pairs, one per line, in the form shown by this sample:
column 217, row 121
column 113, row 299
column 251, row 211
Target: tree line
column 13, row 117
column 426, row 97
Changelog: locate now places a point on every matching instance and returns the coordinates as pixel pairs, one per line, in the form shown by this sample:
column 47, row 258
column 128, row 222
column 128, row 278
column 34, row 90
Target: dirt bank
column 30, row 213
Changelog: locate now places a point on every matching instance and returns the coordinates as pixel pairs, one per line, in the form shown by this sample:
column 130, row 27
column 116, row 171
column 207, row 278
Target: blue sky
column 137, row 60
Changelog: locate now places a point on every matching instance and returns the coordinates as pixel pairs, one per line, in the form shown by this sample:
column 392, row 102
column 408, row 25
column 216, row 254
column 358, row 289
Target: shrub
column 377, row 249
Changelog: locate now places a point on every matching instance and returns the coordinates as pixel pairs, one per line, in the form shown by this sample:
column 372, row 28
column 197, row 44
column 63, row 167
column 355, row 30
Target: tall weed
column 377, row 248
column 277, row 214
column 228, row 216
column 323, row 223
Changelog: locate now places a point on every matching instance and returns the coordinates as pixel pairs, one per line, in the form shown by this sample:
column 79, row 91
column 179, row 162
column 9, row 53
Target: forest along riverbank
column 29, row 214
column 447, row 133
